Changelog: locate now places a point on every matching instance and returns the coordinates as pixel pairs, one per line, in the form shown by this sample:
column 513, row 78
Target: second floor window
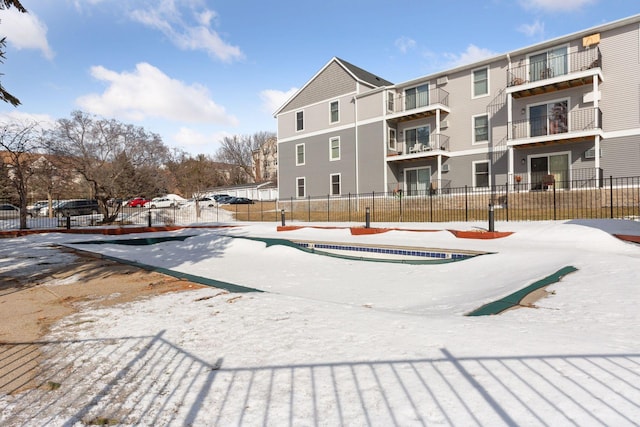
column 335, row 112
column 299, row 154
column 299, row 120
column 392, row 139
column 481, row 129
column 480, row 82
column 334, row 148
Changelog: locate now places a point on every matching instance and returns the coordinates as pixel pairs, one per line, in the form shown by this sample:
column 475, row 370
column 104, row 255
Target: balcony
column 577, row 125
column 405, row 107
column 553, row 73
column 437, row 144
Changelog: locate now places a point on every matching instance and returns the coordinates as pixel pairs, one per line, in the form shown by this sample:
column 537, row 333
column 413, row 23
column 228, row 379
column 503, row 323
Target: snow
column 332, row 341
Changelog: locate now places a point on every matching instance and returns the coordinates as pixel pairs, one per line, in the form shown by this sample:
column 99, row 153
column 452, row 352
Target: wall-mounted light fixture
column 523, row 111
column 523, row 161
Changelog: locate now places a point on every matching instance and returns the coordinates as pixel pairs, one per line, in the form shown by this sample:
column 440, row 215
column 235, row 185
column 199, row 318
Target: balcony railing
column 404, row 102
column 577, row 121
column 436, row 141
column 553, row 67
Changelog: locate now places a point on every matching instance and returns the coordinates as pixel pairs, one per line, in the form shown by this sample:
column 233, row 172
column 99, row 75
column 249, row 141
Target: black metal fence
column 551, row 200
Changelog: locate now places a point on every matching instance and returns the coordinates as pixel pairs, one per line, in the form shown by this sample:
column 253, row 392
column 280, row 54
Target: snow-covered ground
column 347, row 342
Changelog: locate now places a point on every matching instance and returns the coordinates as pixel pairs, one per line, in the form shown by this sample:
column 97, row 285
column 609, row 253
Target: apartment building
column 264, row 161
column 563, row 110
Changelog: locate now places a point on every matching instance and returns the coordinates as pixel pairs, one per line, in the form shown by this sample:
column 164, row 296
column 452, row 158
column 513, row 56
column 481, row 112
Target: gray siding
column 371, row 152
column 331, row 83
column 621, row 156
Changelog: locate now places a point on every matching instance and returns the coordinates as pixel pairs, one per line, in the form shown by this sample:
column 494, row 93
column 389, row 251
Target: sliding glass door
column 417, row 181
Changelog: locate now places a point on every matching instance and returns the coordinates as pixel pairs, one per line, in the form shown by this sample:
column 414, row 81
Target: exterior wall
column 621, row 67
column 618, row 99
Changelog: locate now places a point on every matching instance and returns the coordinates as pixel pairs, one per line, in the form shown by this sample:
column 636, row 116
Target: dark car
column 9, row 211
column 76, row 207
column 223, row 199
column 240, row 201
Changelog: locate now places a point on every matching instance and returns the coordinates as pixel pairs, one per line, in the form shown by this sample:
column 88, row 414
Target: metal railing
column 437, row 141
column 404, row 102
column 553, row 67
column 580, row 120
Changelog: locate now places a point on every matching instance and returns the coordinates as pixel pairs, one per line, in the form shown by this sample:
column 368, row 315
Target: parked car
column 161, row 202
column 38, row 208
column 207, row 201
column 224, row 199
column 216, row 197
column 137, row 202
column 76, row 207
column 9, row 211
column 240, row 201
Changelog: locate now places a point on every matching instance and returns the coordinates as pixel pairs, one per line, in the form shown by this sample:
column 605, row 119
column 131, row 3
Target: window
column 417, row 181
column 390, row 102
column 299, row 154
column 301, row 190
column 392, row 139
column 334, row 148
column 417, row 139
column 548, row 64
column 334, row 112
column 299, row 120
column 416, row 97
column 480, row 82
column 481, row 174
column 480, row 129
column 335, row 184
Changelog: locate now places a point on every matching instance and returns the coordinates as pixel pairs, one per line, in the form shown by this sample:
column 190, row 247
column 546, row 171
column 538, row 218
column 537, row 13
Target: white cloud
column 555, row 5
column 404, row 44
column 273, row 99
column 193, row 141
column 533, row 30
column 25, row 31
column 149, row 93
column 197, row 35
column 45, row 121
column 471, row 55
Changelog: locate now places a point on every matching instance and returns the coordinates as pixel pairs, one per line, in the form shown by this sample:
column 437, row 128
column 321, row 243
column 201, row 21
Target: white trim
column 473, row 95
column 473, row 173
column 304, row 187
column 339, row 175
column 337, row 101
column 473, row 129
column 304, row 154
column 333, row 138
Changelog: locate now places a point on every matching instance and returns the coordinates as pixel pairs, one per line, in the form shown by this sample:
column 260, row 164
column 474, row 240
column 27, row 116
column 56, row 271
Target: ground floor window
column 301, row 190
column 481, row 174
column 335, row 184
column 417, row 181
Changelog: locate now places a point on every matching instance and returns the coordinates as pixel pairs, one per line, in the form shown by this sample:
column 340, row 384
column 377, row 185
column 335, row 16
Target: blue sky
column 195, row 71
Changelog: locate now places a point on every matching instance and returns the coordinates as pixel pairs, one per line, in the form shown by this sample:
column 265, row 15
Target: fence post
column 506, row 199
column 430, row 206
column 466, row 205
column 373, row 202
column 554, row 201
column 349, row 207
column 611, row 195
column 308, row 208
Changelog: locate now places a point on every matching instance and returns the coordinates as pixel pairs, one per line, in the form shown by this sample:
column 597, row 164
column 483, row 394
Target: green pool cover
column 515, row 298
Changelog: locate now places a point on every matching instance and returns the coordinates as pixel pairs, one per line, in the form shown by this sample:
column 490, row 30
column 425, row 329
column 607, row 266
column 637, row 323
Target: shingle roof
column 364, row 75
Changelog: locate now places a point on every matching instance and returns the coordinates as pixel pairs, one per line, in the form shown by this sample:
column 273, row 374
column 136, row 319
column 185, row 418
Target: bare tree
column 112, row 157
column 4, row 95
column 238, row 151
column 20, row 141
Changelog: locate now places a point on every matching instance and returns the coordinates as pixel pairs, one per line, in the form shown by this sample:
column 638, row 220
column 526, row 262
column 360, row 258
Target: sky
column 334, row 341
column 195, row 71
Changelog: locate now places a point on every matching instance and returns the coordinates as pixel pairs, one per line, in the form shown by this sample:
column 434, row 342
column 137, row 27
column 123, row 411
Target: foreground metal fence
column 576, row 199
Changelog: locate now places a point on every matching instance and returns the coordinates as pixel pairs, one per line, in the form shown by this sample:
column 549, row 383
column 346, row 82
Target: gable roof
column 364, row 75
column 359, row 74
